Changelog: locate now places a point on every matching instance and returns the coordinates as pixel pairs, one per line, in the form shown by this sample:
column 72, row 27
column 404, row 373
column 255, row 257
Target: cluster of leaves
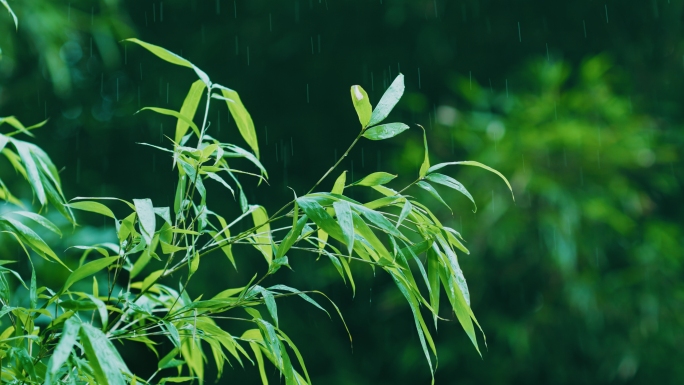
column 76, row 345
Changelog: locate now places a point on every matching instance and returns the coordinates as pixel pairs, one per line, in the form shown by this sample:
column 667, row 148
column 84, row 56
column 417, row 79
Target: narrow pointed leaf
column 187, row 122
column 188, row 110
column 108, row 367
column 448, row 181
column 242, row 119
column 344, row 218
column 361, row 104
column 388, row 101
column 424, row 168
column 14, row 17
column 172, row 58
column 428, row 187
column 263, row 233
column 375, row 179
column 87, row 270
column 385, row 131
column 147, row 218
column 476, row 164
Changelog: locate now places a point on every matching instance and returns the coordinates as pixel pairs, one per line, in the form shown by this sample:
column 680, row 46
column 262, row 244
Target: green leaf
column 320, row 217
column 172, row 58
column 262, row 231
column 448, row 181
column 459, row 305
column 188, row 110
column 11, row 120
column 345, row 219
column 40, row 220
column 428, row 187
column 33, row 295
column 361, row 104
column 181, row 119
column 476, row 164
column 433, row 279
column 388, row 101
column 269, row 300
column 14, row 17
column 64, row 347
column 424, row 168
column 34, row 240
column 107, row 365
column 147, row 218
column 24, row 152
column 291, row 237
column 87, row 270
column 338, row 186
column 375, row 179
column 242, row 119
column 405, row 211
column 385, row 131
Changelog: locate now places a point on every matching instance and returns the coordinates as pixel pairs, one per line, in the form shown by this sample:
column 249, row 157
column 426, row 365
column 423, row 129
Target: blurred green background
column 579, row 281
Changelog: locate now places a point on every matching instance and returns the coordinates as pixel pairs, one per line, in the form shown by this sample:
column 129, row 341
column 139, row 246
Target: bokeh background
column 579, row 281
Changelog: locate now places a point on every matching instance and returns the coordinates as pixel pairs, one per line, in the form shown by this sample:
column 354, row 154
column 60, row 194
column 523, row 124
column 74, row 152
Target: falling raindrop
column 235, row 8
column 606, row 6
column 548, row 57
column 519, row 34
column 372, row 82
column 248, row 56
column 296, row 10
column 218, row 7
column 584, row 25
column 266, row 129
column 312, row 46
column 154, row 13
column 78, row 170
column 307, row 92
column 270, row 22
column 470, row 74
column 435, row 5
column 418, row 77
column 161, row 11
column 140, row 71
column 506, row 88
column 319, row 43
column 236, row 45
column 138, row 96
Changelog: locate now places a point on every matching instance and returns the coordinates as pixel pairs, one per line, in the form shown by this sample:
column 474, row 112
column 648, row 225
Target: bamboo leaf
column 450, row 182
column 388, row 101
column 361, row 104
column 87, row 270
column 428, row 187
column 41, row 220
column 476, row 164
column 375, row 179
column 345, row 220
column 94, row 207
column 262, row 231
column 181, row 118
column 64, row 347
column 146, row 217
column 107, row 365
column 242, row 119
column 172, row 58
column 188, row 110
column 14, row 17
column 385, row 131
column 424, row 168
